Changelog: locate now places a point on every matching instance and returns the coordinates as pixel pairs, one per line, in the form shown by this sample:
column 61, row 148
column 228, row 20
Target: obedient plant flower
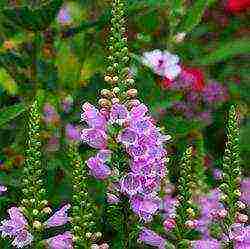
column 59, row 218
column 143, row 143
column 61, row 241
column 206, row 244
column 245, row 189
column 151, row 238
column 240, row 234
column 16, row 228
column 162, row 63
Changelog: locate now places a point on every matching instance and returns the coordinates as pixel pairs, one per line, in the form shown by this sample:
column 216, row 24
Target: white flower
column 162, row 63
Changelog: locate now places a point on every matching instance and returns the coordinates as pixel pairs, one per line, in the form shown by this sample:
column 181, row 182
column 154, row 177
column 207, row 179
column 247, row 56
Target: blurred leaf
column 68, row 66
column 9, row 113
column 37, row 18
column 7, row 83
column 227, row 51
column 194, row 15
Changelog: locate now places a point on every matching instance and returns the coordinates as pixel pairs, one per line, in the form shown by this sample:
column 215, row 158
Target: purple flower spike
column 151, row 238
column 95, row 138
column 61, row 241
column 59, row 218
column 98, row 169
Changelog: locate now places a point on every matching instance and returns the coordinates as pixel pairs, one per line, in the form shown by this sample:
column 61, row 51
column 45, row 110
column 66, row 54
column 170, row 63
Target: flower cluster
column 199, row 97
column 17, row 228
column 135, row 134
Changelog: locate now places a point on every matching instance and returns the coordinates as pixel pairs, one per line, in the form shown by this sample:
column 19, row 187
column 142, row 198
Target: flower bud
column 115, row 101
column 191, row 224
column 47, row 210
column 241, row 205
column 105, row 103
column 116, row 90
column 132, row 93
column 37, row 225
column 179, row 37
column 106, row 93
column 222, row 213
column 107, row 78
column 169, row 224
column 191, row 212
column 241, row 218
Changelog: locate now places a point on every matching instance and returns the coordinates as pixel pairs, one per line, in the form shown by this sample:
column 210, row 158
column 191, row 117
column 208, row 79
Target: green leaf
column 11, row 112
column 194, row 15
column 227, row 51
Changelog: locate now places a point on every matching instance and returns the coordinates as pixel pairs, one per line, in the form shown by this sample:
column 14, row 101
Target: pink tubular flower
column 145, row 207
column 240, row 234
column 93, row 117
column 16, row 227
column 206, row 244
column 112, row 199
column 98, row 169
column 61, row 241
column 131, row 184
column 96, row 138
column 151, row 238
column 59, row 218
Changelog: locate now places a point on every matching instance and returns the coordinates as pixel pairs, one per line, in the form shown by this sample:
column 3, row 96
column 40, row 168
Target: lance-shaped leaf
column 226, row 51
column 9, row 113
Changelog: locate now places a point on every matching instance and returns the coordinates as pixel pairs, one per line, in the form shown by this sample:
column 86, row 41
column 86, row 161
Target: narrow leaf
column 226, row 51
column 194, row 15
column 9, row 113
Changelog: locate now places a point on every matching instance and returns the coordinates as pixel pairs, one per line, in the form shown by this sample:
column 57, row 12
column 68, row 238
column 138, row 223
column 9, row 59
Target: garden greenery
column 130, row 168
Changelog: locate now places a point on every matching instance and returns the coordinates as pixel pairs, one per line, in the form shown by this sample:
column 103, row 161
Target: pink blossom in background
column 162, row 63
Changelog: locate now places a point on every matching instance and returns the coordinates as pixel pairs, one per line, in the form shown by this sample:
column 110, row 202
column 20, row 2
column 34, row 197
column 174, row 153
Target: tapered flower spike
column 118, row 70
column 83, row 211
column 34, row 194
column 230, row 186
column 198, row 167
column 184, row 211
